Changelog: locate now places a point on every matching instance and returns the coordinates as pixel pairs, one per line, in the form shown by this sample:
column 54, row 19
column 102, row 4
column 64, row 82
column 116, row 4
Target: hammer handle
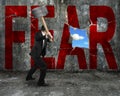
column 46, row 28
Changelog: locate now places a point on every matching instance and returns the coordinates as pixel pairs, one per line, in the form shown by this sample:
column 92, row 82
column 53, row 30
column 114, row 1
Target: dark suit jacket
column 38, row 49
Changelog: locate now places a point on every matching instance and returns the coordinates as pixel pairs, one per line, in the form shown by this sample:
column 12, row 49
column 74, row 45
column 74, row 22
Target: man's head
column 43, row 28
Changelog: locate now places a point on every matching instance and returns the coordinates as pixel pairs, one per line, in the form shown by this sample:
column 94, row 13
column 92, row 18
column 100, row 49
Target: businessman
column 38, row 51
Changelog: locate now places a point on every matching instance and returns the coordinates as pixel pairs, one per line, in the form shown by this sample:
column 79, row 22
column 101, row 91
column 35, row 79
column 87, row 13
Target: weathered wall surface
column 21, row 58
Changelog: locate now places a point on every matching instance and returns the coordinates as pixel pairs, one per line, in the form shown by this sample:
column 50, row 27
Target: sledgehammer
column 39, row 12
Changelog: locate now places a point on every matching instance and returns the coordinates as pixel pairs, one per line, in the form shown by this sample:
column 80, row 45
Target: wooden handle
column 46, row 28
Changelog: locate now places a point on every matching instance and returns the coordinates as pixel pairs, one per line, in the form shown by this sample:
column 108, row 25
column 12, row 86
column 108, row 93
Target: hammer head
column 39, row 11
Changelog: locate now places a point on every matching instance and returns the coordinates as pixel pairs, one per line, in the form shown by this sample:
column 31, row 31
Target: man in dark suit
column 38, row 51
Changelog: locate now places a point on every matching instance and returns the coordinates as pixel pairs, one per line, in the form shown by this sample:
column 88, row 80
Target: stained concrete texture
column 20, row 51
column 87, row 83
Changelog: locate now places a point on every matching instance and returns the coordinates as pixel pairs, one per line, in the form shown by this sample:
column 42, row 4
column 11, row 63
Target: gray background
column 21, row 59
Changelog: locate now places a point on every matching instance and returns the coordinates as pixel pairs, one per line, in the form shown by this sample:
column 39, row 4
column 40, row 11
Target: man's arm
column 49, row 39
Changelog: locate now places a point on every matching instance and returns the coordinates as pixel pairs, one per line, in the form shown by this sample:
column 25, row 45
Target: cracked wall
column 21, row 58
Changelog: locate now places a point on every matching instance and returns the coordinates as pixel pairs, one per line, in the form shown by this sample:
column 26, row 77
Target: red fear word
column 102, row 38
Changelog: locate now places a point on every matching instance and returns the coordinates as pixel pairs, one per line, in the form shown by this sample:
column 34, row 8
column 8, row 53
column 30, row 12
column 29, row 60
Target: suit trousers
column 39, row 62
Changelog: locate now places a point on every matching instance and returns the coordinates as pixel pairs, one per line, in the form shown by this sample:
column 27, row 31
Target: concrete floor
column 88, row 83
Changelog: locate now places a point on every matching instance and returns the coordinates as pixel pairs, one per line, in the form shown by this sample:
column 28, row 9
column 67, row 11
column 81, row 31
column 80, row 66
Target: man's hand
column 49, row 36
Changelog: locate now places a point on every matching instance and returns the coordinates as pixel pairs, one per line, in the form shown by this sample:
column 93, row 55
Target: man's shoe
column 42, row 84
column 29, row 78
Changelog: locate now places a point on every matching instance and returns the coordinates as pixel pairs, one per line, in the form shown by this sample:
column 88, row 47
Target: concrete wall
column 21, row 58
